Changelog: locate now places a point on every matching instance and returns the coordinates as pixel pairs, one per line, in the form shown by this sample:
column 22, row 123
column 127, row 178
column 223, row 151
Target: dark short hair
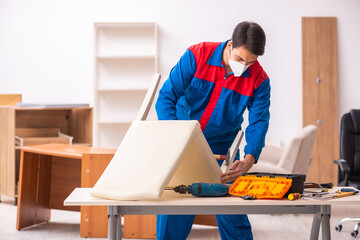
column 251, row 35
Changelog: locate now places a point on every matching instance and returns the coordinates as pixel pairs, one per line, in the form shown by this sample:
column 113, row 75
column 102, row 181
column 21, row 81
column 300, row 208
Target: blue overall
column 177, row 227
column 198, row 89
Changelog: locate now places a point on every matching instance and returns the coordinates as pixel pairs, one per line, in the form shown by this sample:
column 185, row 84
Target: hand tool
column 202, row 189
column 343, row 192
column 339, row 194
column 248, row 197
column 349, row 190
column 294, row 196
column 231, row 153
column 318, row 185
column 310, row 194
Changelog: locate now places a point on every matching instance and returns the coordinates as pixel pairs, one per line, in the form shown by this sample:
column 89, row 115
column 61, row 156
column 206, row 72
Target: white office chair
column 294, row 159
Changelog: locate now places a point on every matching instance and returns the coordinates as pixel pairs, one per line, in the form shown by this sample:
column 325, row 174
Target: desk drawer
column 37, row 136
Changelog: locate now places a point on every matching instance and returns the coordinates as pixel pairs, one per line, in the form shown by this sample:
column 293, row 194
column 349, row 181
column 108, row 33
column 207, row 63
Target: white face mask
column 236, row 67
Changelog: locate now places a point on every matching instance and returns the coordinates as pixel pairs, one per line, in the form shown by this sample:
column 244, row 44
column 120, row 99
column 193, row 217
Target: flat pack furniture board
column 173, row 203
column 154, row 155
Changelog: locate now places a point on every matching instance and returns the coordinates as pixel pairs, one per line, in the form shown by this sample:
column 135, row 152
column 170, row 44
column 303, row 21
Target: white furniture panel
column 162, row 154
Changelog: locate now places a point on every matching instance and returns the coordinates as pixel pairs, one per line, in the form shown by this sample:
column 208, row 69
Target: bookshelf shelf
column 125, row 58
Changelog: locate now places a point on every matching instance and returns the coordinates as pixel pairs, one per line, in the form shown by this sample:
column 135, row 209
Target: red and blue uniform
column 199, row 89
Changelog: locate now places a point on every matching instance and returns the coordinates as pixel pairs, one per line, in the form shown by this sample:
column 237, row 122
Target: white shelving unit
column 125, row 58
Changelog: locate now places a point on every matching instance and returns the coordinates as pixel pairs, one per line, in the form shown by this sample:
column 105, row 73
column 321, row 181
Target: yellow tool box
column 267, row 185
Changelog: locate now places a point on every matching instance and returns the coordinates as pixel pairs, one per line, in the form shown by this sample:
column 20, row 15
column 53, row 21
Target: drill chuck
column 181, row 189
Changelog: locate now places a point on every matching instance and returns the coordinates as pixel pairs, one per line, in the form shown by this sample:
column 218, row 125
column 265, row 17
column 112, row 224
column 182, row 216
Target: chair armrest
column 344, row 169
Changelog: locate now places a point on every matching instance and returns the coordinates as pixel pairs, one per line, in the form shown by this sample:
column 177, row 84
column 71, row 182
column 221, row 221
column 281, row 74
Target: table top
column 45, row 108
column 82, row 197
column 64, row 150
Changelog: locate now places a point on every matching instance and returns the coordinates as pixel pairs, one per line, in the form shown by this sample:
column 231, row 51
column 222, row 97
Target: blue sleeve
column 174, row 87
column 259, row 117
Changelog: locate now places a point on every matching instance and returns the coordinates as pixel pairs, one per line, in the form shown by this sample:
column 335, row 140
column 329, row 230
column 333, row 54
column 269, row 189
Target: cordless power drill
column 203, row 189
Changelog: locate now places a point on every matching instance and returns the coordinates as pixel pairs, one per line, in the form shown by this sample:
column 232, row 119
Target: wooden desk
column 73, row 121
column 49, row 173
column 172, row 203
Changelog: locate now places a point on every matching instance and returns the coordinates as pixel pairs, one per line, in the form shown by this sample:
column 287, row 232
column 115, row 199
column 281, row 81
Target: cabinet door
column 7, row 151
column 320, row 105
column 94, row 221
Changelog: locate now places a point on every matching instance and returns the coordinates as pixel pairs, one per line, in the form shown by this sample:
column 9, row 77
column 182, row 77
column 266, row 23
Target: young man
column 214, row 83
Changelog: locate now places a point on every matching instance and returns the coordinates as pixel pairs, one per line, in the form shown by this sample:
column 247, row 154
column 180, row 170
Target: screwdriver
column 203, row 189
column 294, row 196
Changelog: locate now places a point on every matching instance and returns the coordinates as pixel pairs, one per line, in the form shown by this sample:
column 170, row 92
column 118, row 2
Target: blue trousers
column 178, row 227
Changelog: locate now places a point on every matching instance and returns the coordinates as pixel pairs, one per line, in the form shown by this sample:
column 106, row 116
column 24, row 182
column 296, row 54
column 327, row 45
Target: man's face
column 242, row 55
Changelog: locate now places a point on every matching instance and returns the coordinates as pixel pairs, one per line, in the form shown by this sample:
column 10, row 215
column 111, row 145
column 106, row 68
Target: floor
column 65, row 225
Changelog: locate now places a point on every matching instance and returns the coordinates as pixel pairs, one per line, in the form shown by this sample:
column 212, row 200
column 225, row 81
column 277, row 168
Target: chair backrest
column 297, row 155
column 350, row 141
column 148, row 99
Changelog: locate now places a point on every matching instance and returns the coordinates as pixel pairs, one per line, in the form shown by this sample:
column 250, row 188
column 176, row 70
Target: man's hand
column 238, row 168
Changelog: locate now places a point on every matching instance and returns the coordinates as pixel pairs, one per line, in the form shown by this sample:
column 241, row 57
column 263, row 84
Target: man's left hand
column 237, row 168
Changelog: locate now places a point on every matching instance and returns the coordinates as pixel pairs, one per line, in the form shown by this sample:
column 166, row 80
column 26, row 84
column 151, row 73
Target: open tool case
column 268, row 185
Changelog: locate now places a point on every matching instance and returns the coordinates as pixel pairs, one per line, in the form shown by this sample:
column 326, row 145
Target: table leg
column 118, row 226
column 325, row 222
column 315, row 226
column 114, row 223
column 322, row 216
